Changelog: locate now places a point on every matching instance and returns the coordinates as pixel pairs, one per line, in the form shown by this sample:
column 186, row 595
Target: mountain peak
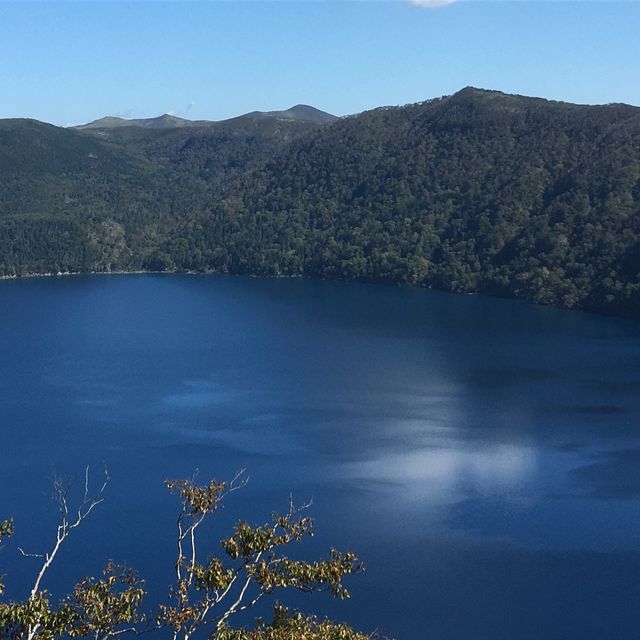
column 299, row 112
column 471, row 93
column 165, row 121
column 310, row 114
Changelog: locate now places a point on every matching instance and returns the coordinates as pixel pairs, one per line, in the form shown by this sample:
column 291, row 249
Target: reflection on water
column 482, row 456
column 445, row 474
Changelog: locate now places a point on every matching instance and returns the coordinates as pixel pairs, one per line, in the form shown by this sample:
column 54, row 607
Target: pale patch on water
column 259, row 434
column 440, row 475
column 199, row 394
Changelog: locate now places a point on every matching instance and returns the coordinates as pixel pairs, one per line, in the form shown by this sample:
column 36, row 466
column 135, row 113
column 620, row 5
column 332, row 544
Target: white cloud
column 430, row 4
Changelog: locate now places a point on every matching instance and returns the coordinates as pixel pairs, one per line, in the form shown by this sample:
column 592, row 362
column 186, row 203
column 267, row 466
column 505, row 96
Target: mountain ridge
column 480, row 192
column 301, row 112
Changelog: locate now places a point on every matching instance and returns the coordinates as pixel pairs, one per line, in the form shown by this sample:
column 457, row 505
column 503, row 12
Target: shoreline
column 65, row 274
column 142, row 272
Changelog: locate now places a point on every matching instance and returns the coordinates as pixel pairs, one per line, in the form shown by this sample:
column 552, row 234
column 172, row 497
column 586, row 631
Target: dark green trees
column 475, row 192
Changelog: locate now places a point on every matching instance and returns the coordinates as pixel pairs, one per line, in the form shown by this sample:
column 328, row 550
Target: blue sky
column 68, row 63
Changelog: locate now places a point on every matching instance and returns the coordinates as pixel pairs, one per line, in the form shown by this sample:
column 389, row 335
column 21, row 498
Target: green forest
column 478, row 192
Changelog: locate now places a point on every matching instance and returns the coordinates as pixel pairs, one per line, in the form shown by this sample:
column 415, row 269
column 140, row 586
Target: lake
column 482, row 456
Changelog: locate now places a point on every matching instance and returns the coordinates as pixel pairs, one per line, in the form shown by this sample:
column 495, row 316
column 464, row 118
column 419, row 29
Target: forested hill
column 475, row 192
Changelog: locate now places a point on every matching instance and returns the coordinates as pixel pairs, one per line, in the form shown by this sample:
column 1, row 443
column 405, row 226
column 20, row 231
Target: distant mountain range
column 479, row 191
column 165, row 121
column 300, row 113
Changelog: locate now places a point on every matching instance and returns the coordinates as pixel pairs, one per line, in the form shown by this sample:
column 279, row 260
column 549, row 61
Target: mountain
column 45, row 169
column 61, row 193
column 479, row 191
column 108, row 195
column 476, row 192
column 300, row 113
column 204, row 150
column 165, row 121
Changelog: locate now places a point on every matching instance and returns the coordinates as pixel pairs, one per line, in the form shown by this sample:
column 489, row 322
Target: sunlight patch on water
column 440, row 475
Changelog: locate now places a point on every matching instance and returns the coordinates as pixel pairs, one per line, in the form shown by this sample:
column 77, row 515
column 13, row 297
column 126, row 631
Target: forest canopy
column 476, row 192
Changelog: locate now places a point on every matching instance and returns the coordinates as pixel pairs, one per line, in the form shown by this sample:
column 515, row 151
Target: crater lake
column 482, row 456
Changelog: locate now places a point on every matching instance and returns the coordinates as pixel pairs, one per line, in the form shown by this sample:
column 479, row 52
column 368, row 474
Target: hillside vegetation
column 475, row 192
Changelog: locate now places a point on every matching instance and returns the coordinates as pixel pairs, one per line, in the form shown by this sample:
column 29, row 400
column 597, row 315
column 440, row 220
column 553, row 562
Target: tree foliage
column 476, row 192
column 208, row 592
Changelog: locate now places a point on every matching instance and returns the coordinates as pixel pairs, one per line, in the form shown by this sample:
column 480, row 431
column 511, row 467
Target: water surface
column 482, row 456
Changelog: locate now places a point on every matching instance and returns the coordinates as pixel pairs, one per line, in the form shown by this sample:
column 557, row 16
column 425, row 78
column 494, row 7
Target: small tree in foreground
column 208, row 592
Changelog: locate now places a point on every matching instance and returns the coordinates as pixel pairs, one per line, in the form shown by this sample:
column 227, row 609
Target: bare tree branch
column 86, row 506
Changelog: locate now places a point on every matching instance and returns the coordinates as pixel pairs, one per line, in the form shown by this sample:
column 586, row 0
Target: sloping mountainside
column 207, row 151
column 58, row 189
column 165, row 121
column 214, row 152
column 475, row 192
column 111, row 199
column 299, row 113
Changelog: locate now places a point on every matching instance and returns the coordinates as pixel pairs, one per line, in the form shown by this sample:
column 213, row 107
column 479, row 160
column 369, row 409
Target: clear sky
column 68, row 63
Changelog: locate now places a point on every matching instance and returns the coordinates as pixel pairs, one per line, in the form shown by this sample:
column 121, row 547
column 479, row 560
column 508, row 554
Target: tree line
column 476, row 192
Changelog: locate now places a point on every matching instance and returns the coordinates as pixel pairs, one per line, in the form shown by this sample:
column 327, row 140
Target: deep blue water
column 482, row 456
